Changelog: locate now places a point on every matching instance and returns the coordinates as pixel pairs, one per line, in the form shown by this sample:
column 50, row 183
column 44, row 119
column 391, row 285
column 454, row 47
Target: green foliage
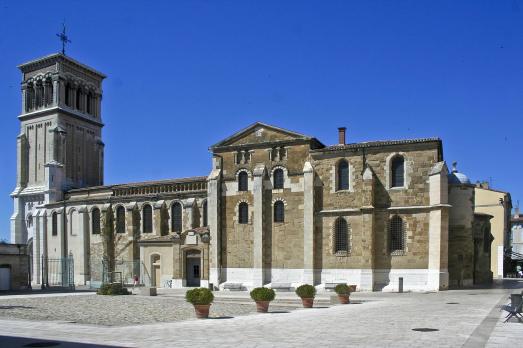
column 342, row 289
column 306, row 291
column 199, row 296
column 112, row 289
column 263, row 294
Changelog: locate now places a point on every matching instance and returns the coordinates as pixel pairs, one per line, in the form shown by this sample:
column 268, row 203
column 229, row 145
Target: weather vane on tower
column 63, row 38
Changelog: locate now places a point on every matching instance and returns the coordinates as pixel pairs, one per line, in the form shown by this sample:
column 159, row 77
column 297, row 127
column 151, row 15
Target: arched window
column 176, row 217
column 95, row 221
column 49, row 92
column 278, row 178
column 279, row 211
column 147, row 219
column 204, row 208
column 68, row 94
column 88, row 103
column 79, row 99
column 396, row 235
column 397, row 167
column 54, row 224
column 243, row 213
column 243, row 181
column 39, row 94
column 341, row 236
column 343, row 175
column 120, row 219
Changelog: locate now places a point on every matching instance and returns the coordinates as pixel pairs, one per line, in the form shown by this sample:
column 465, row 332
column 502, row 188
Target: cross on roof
column 63, row 38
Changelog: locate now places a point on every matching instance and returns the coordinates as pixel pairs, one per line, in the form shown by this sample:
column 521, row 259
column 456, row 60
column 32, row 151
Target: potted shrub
column 112, row 289
column 306, row 292
column 262, row 296
column 201, row 299
column 343, row 291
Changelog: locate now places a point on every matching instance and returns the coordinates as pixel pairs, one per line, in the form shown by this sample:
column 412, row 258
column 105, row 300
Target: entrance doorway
column 193, row 268
column 5, row 277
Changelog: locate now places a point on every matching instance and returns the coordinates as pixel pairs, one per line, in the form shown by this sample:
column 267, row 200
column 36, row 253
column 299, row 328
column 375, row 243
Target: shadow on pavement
column 14, row 342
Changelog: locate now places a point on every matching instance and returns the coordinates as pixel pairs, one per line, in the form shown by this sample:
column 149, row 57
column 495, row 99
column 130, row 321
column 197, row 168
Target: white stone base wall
column 364, row 279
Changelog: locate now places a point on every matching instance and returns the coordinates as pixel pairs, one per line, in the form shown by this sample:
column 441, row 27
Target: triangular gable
column 260, row 133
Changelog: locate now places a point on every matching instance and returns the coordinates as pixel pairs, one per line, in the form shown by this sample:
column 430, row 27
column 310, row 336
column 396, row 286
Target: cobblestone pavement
column 462, row 318
column 116, row 310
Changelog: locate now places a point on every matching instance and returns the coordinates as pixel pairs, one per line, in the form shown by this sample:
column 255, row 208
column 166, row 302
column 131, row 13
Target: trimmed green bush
column 112, row 289
column 306, row 291
column 199, row 296
column 263, row 294
column 342, row 289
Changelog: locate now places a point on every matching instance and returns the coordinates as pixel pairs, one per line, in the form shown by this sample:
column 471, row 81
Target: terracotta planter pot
column 344, row 299
column 202, row 311
column 307, row 302
column 262, row 306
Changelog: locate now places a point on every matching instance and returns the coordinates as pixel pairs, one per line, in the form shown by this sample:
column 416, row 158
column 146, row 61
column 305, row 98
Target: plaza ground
column 469, row 318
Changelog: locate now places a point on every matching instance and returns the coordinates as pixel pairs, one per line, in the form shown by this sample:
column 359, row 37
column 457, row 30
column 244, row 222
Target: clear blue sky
column 185, row 74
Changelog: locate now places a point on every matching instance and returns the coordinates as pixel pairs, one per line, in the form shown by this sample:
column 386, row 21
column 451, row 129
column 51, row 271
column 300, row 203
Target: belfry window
column 397, row 172
column 396, row 235
column 176, row 217
column 79, row 99
column 341, row 236
column 278, row 178
column 243, row 181
column 68, row 94
column 279, row 211
column 95, row 221
column 54, row 224
column 343, row 175
column 120, row 219
column 147, row 219
column 243, row 213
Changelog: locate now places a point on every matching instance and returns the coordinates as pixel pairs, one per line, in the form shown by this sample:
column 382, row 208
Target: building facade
column 277, row 207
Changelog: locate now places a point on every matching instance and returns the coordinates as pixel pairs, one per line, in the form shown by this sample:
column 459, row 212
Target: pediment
column 259, row 133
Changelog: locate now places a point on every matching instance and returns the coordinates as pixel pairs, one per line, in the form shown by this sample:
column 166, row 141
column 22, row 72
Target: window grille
column 397, row 235
column 486, row 240
column 397, row 172
column 279, row 211
column 278, row 178
column 341, row 237
column 120, row 219
column 204, row 208
column 243, row 213
column 95, row 221
column 176, row 217
column 147, row 219
column 343, row 175
column 243, row 183
column 54, row 224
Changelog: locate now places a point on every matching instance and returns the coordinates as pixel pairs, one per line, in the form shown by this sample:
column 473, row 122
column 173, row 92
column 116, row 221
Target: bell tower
column 60, row 142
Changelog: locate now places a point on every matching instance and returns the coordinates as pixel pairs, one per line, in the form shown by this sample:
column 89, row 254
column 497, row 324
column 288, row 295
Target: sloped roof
column 366, row 144
column 231, row 139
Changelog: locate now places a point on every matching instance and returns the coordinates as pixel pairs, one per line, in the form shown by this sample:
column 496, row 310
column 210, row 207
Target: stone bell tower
column 60, row 142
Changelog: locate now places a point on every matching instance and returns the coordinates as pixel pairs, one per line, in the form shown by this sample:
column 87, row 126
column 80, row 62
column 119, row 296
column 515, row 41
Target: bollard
column 400, row 286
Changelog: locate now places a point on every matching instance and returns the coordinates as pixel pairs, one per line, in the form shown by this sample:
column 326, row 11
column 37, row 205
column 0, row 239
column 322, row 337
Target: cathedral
column 277, row 208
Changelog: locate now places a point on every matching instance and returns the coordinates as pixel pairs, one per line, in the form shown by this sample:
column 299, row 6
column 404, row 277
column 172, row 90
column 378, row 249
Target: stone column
column 367, row 216
column 213, row 221
column 58, row 95
column 257, row 271
column 157, row 217
column 37, row 253
column 81, row 261
column 308, row 223
column 24, row 98
column 438, row 275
